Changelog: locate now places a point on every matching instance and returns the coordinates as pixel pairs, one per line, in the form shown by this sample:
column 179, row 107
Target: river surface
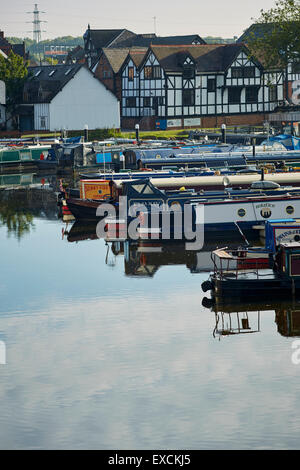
column 108, row 346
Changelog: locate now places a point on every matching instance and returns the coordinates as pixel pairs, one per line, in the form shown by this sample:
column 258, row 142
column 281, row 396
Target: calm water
column 109, row 347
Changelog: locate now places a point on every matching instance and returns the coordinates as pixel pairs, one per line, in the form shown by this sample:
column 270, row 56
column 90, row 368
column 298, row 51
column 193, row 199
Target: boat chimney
column 253, row 143
column 223, row 129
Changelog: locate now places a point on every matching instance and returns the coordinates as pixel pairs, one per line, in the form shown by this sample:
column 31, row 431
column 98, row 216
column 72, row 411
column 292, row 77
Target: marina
column 150, row 230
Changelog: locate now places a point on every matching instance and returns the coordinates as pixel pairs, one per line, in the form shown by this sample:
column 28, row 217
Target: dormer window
column 37, row 73
column 52, row 73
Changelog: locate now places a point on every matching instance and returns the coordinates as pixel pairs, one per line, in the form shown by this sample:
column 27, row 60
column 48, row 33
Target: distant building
column 67, row 97
column 97, row 39
column 75, row 56
column 7, row 47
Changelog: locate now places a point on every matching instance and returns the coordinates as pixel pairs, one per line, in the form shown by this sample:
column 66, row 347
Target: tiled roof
column 104, row 37
column 207, row 57
column 137, row 55
column 116, row 57
column 145, row 40
column 256, row 30
column 19, row 49
column 44, row 82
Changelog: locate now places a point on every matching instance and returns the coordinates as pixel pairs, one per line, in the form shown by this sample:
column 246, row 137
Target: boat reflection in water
column 232, row 319
column 145, row 257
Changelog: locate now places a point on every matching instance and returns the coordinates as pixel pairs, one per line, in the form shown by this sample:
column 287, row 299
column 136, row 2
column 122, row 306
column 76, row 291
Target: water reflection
column 24, row 197
column 143, row 258
column 233, row 319
column 99, row 359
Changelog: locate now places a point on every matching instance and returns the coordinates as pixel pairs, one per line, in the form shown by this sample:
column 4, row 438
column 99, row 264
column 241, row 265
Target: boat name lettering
column 287, row 233
column 265, row 204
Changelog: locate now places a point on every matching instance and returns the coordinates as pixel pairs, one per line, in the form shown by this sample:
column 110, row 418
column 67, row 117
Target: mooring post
column 253, row 143
column 223, row 129
column 137, row 132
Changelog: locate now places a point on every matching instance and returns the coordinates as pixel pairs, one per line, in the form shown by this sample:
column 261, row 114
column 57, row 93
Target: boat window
column 148, row 190
column 138, row 187
column 143, row 188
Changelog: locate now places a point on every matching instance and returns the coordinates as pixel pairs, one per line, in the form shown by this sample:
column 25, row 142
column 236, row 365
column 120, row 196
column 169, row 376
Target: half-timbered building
column 112, row 58
column 97, row 39
column 291, row 75
column 196, row 84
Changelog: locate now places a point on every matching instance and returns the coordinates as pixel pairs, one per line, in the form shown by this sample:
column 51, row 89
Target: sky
column 173, row 17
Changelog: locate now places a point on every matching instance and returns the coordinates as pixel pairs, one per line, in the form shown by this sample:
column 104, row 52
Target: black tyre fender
column 206, row 285
column 207, row 303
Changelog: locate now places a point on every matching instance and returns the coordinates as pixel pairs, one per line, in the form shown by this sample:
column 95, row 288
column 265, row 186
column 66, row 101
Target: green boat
column 23, row 156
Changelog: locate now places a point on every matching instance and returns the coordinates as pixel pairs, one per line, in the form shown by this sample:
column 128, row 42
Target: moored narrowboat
column 229, row 282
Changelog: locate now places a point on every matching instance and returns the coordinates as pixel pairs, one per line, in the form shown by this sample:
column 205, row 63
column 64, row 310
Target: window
column 251, row 94
column 188, row 72
column 147, row 102
column 296, row 67
column 273, row 96
column 243, row 72
column 148, row 72
column 157, row 101
column 188, row 97
column 130, row 74
column 43, row 122
column 156, row 71
column 152, row 72
column 52, row 73
column 237, row 72
column 234, row 95
column 249, row 72
column 211, row 84
column 68, row 71
column 131, row 102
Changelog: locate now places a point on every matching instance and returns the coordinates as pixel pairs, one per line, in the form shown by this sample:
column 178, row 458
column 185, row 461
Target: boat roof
column 222, row 253
column 291, row 245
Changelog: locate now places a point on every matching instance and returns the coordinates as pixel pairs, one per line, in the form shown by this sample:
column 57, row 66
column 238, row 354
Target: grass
column 102, row 134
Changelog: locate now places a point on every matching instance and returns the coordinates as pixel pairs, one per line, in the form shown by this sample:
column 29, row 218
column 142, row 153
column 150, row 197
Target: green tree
column 13, row 72
column 274, row 38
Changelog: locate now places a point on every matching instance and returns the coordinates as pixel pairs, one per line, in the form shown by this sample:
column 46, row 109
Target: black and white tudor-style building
column 187, row 84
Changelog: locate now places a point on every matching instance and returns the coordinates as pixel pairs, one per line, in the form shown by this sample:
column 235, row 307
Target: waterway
column 108, row 345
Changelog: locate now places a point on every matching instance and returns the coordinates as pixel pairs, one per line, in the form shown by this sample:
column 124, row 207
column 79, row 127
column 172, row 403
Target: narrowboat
column 23, row 157
column 229, row 282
